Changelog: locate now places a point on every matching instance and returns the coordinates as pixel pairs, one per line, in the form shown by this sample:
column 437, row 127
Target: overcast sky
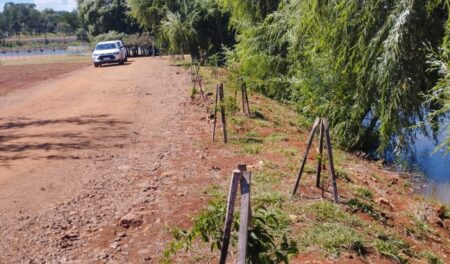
column 58, row 5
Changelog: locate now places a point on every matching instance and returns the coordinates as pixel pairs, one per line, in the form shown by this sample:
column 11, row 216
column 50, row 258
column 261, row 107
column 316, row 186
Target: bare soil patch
column 14, row 77
column 96, row 163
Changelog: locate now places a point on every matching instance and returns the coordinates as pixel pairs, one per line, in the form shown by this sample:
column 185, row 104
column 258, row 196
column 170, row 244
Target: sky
column 58, row 5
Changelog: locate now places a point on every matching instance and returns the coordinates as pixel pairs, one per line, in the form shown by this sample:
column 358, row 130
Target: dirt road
column 80, row 152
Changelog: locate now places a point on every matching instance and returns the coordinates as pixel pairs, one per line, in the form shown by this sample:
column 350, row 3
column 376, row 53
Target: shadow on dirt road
column 57, row 139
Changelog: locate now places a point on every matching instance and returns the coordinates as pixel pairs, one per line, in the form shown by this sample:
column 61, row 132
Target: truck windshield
column 106, row 46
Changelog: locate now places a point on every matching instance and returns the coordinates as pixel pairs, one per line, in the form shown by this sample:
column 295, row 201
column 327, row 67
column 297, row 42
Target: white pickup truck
column 109, row 52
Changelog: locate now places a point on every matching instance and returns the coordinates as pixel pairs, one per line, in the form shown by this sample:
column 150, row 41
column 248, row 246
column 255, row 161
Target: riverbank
column 380, row 217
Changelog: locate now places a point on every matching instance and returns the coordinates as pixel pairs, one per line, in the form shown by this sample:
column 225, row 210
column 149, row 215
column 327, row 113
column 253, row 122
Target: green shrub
column 268, row 240
column 231, row 105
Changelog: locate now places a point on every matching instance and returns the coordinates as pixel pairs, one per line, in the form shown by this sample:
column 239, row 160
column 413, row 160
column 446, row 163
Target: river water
column 433, row 164
column 12, row 54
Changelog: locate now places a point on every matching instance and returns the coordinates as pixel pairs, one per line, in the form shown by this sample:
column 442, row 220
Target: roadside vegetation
column 373, row 223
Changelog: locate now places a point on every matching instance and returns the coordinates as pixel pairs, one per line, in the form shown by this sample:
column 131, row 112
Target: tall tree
column 104, row 16
column 362, row 63
column 198, row 26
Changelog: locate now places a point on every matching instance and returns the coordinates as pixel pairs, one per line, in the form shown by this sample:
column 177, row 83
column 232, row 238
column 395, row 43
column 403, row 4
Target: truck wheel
column 95, row 65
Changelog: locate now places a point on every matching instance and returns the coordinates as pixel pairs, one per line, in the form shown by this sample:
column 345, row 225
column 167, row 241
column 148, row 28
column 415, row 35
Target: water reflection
column 439, row 191
column 434, row 165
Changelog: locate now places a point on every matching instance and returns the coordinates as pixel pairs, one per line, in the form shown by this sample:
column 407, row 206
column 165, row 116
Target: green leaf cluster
column 364, row 64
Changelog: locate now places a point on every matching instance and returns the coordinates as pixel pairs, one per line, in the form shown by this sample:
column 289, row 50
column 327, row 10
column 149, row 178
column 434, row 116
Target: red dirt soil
column 22, row 76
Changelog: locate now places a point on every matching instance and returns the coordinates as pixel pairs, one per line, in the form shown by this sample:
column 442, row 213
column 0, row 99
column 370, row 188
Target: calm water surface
column 434, row 165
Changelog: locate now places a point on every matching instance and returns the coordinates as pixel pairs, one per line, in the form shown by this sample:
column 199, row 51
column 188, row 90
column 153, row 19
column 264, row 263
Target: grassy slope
column 378, row 220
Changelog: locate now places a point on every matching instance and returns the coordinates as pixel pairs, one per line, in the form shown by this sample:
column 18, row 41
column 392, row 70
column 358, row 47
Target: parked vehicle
column 108, row 52
column 123, row 49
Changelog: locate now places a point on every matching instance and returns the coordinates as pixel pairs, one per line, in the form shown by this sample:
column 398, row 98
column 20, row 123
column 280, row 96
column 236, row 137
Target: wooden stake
column 302, row 167
column 222, row 112
column 245, row 103
column 197, row 79
column 246, row 100
column 235, row 178
column 215, row 112
column 201, row 88
column 244, row 217
column 243, row 99
column 243, row 168
column 319, row 163
column 330, row 160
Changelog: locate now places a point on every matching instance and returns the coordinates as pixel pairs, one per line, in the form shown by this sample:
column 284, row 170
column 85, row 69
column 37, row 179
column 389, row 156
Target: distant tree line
column 23, row 19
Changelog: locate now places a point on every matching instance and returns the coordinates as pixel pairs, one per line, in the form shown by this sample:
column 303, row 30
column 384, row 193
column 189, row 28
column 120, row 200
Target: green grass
column 364, row 193
column 317, row 225
column 333, row 238
column 251, row 149
column 393, row 248
column 277, row 137
column 251, row 138
column 268, row 178
column 431, row 258
column 419, row 229
column 365, row 207
column 325, row 211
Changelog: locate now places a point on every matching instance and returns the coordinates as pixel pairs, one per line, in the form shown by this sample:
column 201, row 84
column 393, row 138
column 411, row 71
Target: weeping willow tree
column 440, row 94
column 245, row 11
column 362, row 63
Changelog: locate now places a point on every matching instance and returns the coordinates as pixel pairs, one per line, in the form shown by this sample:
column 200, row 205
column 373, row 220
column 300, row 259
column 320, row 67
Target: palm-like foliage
column 179, row 31
column 197, row 26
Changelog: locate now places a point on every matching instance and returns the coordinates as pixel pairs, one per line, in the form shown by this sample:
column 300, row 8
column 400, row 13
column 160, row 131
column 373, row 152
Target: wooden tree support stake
column 197, row 79
column 219, row 104
column 324, row 133
column 243, row 178
column 331, row 162
column 319, row 163
column 245, row 216
column 302, row 167
column 215, row 113
column 245, row 103
column 235, row 178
